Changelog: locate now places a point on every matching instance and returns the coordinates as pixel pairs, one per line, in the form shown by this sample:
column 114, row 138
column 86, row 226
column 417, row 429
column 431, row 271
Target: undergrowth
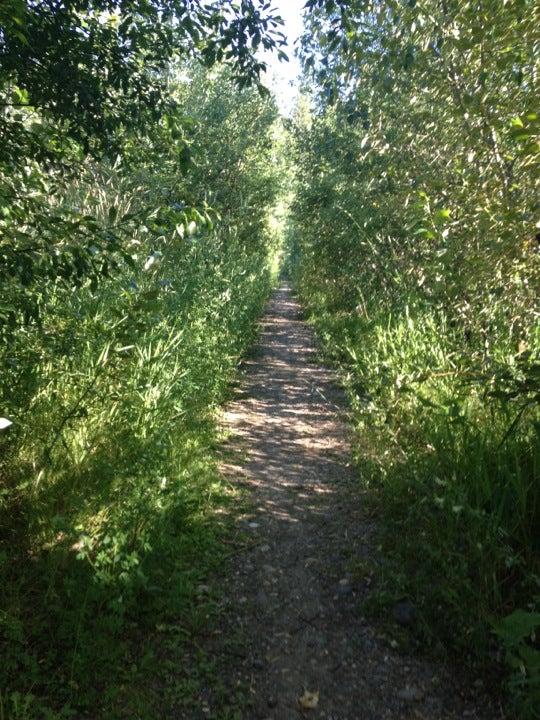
column 112, row 508
column 415, row 241
column 453, row 472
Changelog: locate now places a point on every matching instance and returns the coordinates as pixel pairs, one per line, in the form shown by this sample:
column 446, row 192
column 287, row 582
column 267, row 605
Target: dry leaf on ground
column 309, row 700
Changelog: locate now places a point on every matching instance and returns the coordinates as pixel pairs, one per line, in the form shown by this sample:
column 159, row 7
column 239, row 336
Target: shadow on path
column 289, row 596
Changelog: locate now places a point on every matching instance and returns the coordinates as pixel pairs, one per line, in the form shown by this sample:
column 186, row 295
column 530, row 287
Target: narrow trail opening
column 291, row 596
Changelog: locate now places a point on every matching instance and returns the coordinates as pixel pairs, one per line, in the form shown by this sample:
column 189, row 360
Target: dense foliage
column 82, row 78
column 140, row 166
column 136, row 250
column 417, row 251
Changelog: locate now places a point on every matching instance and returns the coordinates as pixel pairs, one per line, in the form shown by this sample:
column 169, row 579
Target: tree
column 100, row 65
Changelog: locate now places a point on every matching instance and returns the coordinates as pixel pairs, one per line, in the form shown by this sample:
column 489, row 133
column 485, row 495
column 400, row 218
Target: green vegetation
column 414, row 239
column 141, row 165
column 137, row 250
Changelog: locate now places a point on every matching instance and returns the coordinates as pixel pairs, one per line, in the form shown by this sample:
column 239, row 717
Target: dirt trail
column 290, row 597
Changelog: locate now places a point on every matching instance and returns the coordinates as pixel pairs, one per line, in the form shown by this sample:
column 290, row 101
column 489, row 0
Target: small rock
column 404, row 613
column 265, row 548
column 309, row 700
column 410, row 694
column 253, row 525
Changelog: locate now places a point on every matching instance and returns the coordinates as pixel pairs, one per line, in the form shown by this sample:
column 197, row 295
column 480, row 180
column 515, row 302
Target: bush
column 413, row 229
column 110, row 492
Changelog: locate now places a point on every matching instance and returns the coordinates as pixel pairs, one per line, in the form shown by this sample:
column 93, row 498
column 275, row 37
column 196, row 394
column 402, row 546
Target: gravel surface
column 306, row 649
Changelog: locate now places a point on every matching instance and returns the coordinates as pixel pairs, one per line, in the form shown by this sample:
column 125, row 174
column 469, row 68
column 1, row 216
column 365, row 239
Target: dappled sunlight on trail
column 304, row 551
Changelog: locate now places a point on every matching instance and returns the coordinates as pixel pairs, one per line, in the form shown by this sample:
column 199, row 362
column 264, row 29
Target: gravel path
column 306, row 650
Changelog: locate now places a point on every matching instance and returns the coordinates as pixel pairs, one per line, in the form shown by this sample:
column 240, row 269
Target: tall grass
column 110, row 477
column 452, row 463
column 112, row 509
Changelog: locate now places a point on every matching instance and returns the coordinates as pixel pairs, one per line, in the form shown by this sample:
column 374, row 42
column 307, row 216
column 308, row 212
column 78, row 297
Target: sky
column 281, row 76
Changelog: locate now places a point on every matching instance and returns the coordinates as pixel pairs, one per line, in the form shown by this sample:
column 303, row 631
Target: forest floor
column 292, row 638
